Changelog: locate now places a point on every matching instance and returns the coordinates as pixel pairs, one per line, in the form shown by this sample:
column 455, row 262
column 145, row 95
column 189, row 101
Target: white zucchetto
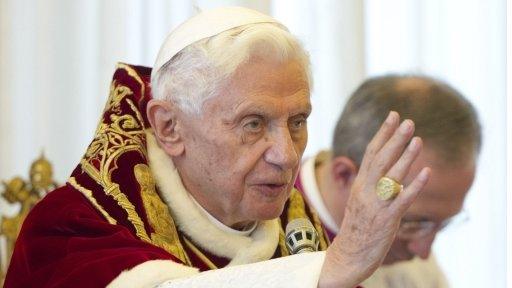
column 204, row 25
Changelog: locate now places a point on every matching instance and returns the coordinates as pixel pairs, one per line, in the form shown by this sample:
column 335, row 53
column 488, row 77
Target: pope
column 189, row 177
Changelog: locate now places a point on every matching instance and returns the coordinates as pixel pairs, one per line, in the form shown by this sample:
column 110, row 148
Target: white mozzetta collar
column 222, row 226
column 241, row 249
column 310, row 187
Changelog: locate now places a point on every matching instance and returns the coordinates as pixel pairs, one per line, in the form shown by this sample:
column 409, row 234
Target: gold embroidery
column 134, row 74
column 200, row 254
column 297, row 209
column 282, row 244
column 165, row 234
column 114, row 136
column 88, row 193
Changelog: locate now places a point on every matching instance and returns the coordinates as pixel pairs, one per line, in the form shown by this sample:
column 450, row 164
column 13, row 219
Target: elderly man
column 448, row 125
column 198, row 175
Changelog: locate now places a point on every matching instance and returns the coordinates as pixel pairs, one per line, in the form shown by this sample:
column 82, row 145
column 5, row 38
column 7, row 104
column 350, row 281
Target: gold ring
column 388, row 188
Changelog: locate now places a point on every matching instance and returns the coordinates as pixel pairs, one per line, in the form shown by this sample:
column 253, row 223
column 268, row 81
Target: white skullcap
column 204, row 25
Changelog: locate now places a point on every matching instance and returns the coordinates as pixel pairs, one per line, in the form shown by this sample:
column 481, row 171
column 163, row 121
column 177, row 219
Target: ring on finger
column 388, row 188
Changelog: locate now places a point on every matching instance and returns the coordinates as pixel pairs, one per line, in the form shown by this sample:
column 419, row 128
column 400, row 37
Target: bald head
column 445, row 120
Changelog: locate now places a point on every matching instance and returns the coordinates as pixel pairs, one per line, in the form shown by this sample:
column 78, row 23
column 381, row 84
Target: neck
column 219, row 215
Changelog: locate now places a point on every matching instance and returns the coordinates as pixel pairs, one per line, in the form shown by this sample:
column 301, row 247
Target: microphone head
column 301, row 236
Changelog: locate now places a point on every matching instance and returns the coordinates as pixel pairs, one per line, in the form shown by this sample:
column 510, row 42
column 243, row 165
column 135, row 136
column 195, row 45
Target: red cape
column 87, row 232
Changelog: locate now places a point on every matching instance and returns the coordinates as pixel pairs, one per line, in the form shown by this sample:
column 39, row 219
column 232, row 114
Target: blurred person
column 449, row 128
column 190, row 179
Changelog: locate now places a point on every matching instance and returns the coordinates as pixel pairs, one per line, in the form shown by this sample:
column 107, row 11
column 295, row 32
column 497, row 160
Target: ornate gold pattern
column 124, row 133
column 387, row 188
column 200, row 254
column 165, row 234
column 282, row 243
column 88, row 194
column 27, row 194
column 135, row 76
column 122, row 130
column 297, row 209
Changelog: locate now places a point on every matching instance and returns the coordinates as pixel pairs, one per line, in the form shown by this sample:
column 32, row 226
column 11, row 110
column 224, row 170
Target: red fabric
column 65, row 242
column 130, row 90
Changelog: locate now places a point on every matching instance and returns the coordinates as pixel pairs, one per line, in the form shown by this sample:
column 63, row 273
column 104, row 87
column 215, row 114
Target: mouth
column 271, row 190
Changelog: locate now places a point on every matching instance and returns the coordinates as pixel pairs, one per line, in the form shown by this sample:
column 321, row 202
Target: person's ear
column 163, row 118
column 344, row 172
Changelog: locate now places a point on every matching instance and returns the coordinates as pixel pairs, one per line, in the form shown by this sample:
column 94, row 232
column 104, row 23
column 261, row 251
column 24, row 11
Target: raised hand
column 370, row 224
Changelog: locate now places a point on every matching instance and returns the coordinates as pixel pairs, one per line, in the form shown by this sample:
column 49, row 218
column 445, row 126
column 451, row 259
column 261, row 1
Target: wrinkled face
column 242, row 154
column 441, row 199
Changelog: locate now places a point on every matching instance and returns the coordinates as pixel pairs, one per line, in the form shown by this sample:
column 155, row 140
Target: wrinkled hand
column 370, row 224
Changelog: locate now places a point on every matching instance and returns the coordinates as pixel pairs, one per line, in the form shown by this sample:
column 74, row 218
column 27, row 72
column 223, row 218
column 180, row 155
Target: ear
column 163, row 117
column 344, row 171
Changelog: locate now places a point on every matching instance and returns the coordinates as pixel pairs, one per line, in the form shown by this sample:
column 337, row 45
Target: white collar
column 310, row 187
column 224, row 227
column 241, row 249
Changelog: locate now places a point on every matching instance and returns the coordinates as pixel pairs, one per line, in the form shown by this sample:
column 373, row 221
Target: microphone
column 301, row 236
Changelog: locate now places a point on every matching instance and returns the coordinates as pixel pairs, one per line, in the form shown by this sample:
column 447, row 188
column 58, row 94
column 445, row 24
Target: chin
column 269, row 211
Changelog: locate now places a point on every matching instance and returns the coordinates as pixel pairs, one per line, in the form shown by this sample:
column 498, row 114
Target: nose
column 421, row 246
column 282, row 151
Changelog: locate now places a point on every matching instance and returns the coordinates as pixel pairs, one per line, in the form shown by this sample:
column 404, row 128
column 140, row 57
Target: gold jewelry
column 388, row 188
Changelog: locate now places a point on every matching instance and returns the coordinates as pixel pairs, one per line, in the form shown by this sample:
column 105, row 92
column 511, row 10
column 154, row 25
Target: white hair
column 197, row 72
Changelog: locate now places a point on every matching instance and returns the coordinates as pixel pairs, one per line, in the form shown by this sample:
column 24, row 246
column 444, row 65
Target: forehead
column 264, row 85
column 444, row 194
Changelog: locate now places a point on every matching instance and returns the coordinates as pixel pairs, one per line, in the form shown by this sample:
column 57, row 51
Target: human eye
column 253, row 124
column 298, row 123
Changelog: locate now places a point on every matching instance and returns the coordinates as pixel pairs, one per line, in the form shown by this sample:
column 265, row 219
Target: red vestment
column 109, row 217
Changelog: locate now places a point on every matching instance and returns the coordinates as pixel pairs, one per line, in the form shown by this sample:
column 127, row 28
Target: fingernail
column 405, row 126
column 391, row 117
column 414, row 144
column 424, row 174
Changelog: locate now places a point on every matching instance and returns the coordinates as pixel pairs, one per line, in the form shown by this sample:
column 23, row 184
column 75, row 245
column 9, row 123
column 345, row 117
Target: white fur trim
column 297, row 271
column 260, row 245
column 152, row 273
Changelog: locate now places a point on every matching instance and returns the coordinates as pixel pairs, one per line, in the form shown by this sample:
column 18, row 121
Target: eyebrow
column 252, row 108
column 260, row 109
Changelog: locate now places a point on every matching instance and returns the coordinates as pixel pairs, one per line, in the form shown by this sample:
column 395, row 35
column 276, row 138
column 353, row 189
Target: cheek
column 247, row 160
column 228, row 165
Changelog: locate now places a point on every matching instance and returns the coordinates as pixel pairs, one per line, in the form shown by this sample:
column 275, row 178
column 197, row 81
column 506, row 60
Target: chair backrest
column 21, row 195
